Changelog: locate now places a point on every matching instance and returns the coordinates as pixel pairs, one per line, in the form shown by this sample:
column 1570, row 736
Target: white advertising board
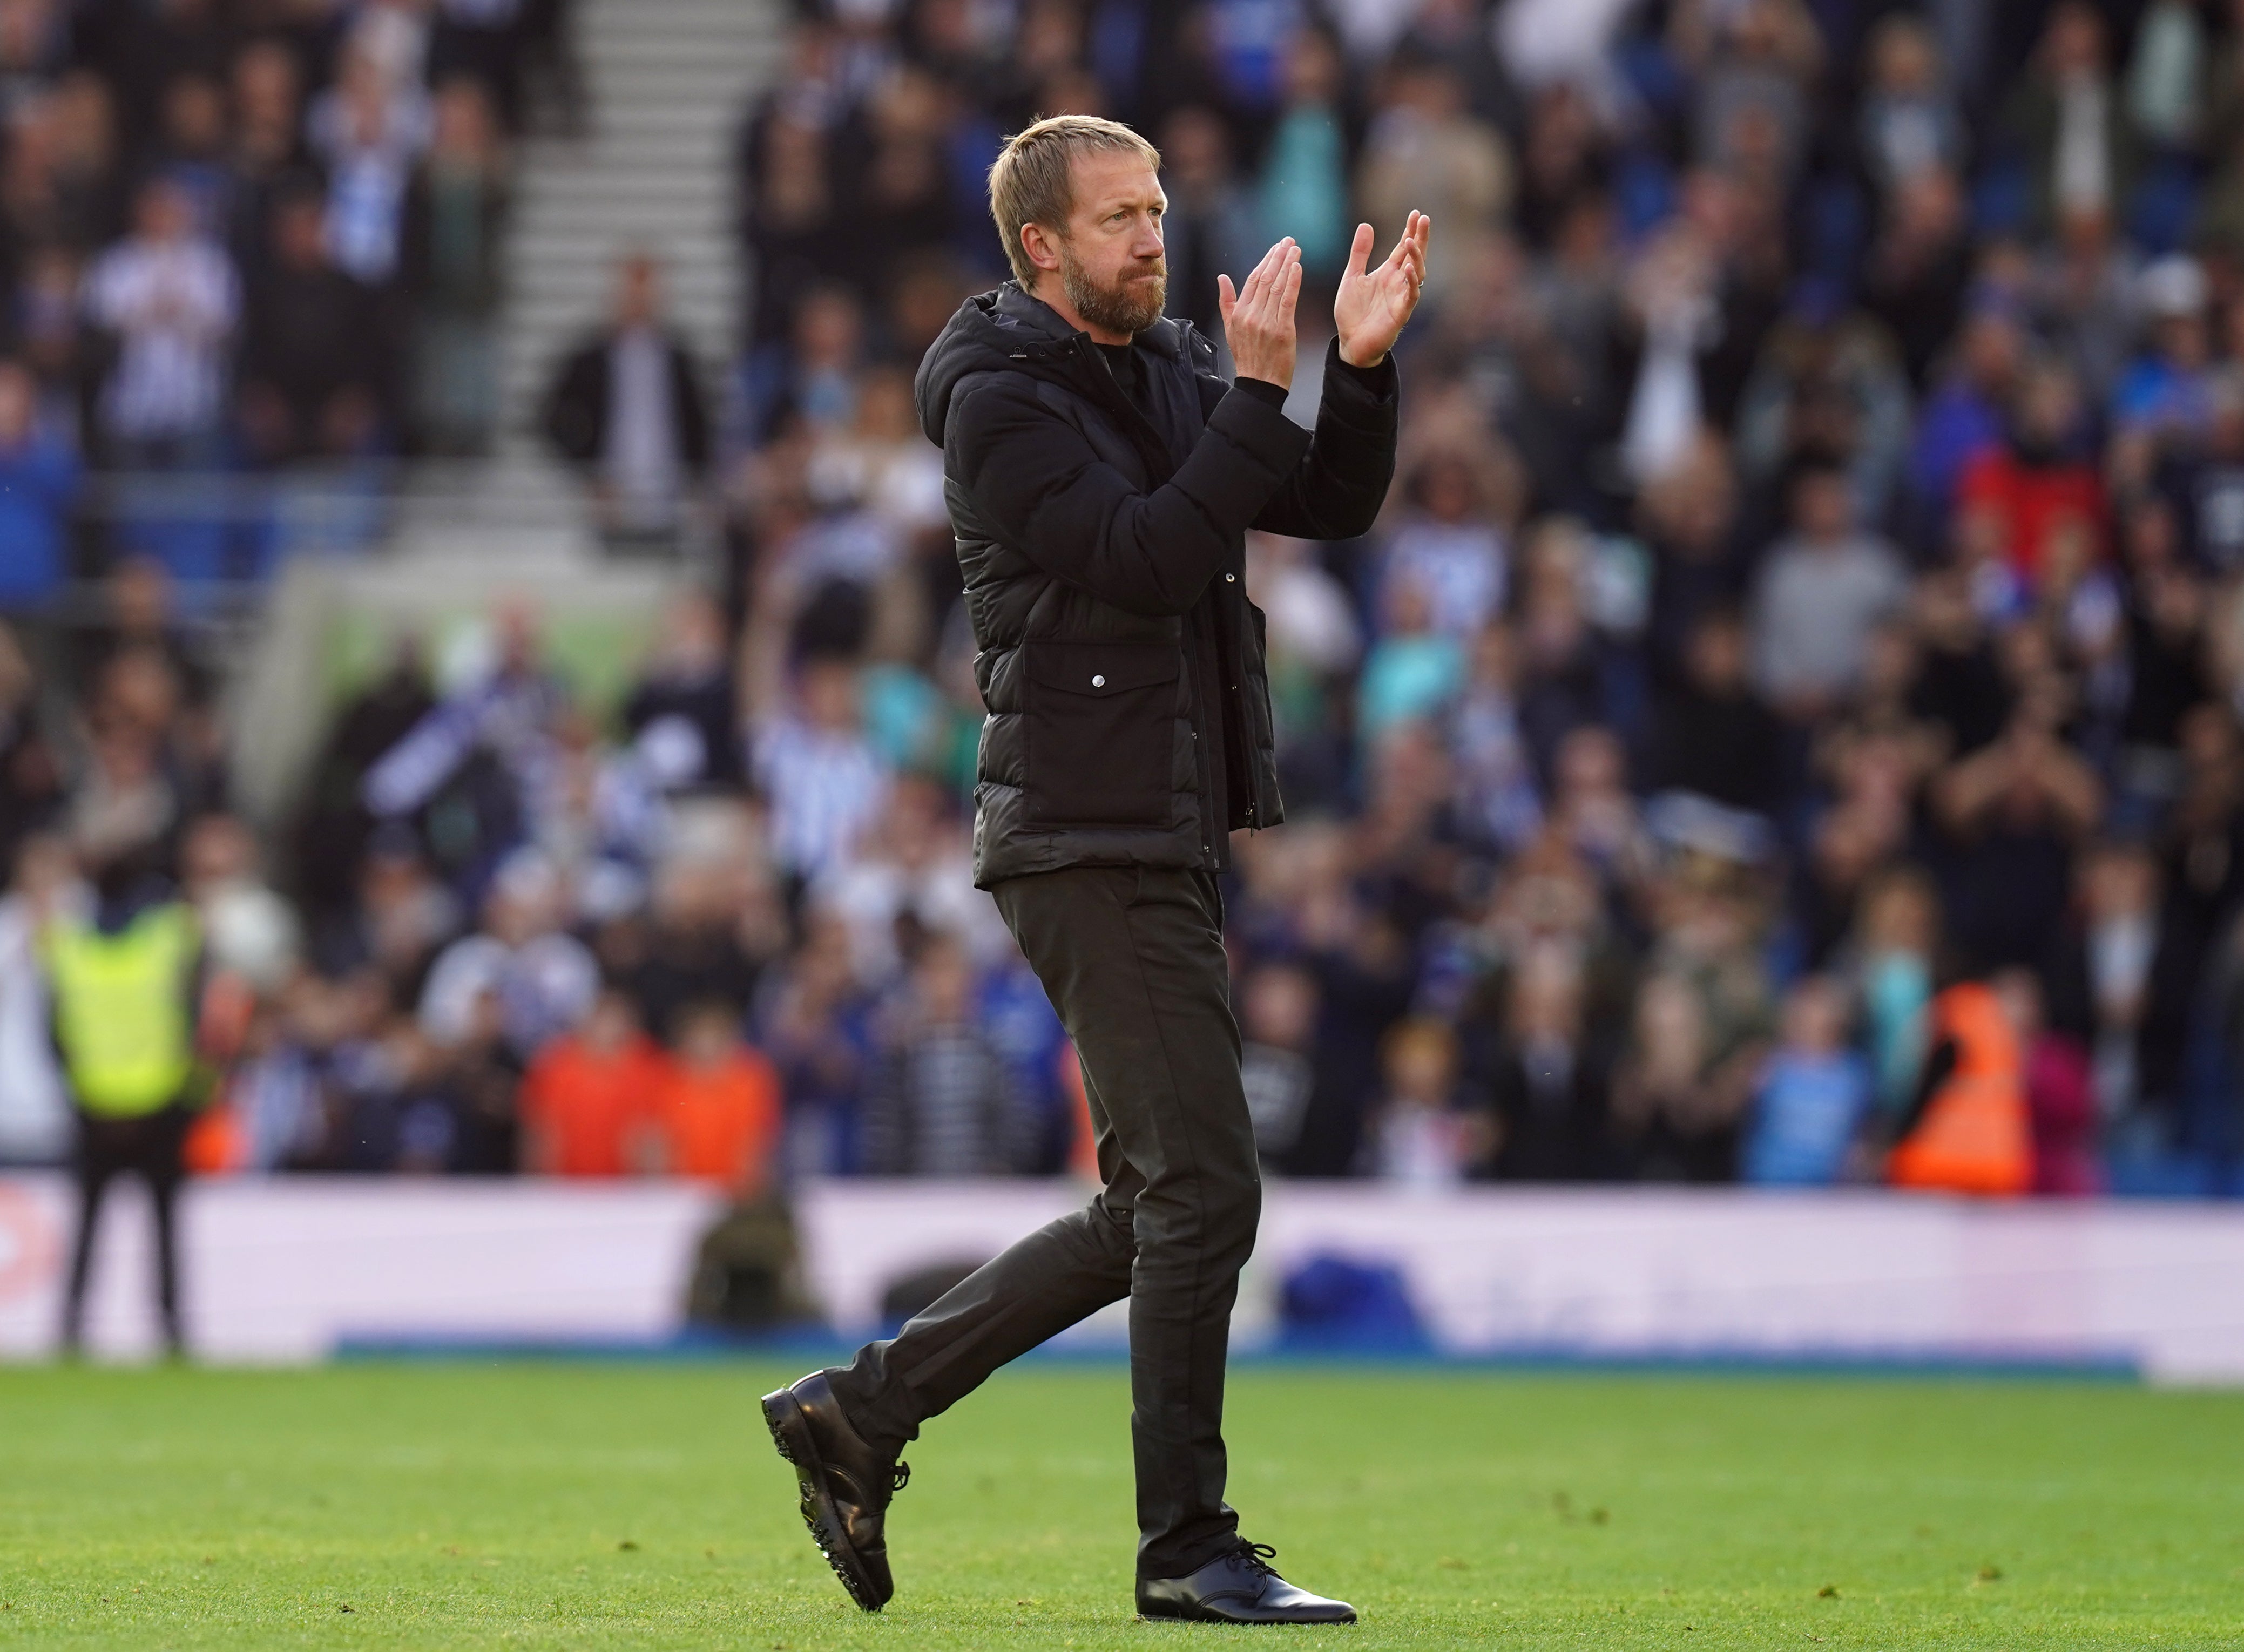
column 291, row 1269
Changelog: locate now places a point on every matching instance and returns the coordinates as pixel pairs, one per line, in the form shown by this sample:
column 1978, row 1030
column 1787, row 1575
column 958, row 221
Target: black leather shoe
column 1241, row 1587
column 846, row 1484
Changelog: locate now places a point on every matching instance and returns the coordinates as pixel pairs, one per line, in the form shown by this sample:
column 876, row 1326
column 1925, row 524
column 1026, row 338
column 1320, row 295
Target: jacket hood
column 1005, row 330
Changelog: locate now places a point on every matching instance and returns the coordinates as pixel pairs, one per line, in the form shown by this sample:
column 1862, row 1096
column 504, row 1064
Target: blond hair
column 1031, row 181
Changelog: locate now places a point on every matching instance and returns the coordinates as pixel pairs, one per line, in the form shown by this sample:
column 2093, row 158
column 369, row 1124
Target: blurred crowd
column 1797, row 674
column 244, row 237
column 1810, row 582
column 512, row 937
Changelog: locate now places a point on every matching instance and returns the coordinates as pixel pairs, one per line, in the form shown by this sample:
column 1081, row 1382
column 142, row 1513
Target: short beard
column 1113, row 308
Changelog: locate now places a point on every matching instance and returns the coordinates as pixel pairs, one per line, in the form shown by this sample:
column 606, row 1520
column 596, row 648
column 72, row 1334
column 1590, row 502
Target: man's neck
column 1052, row 294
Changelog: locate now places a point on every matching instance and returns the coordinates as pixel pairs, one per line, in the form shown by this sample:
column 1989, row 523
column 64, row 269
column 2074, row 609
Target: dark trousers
column 152, row 1147
column 1134, row 963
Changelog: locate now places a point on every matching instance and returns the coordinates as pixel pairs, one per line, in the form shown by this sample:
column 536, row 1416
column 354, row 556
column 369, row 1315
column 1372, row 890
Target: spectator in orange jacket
column 717, row 1102
column 587, row 1102
column 1970, row 1130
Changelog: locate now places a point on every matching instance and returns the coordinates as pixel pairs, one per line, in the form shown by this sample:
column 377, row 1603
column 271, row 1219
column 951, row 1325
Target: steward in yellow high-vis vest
column 122, row 1020
column 123, row 987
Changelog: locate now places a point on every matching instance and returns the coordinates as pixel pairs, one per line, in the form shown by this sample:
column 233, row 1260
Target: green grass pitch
column 594, row 1505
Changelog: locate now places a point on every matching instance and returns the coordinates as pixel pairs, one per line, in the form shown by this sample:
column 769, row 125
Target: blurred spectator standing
column 31, row 779
column 2060, row 1094
column 123, row 978
column 587, row 1101
column 1210, row 224
column 487, row 44
column 1712, row 734
column 2037, row 483
column 1303, row 184
column 687, row 695
column 1550, row 1085
column 37, row 1125
column 697, row 948
column 1970, row 1130
column 910, row 875
column 540, row 977
column 823, row 780
column 1813, row 1101
column 39, row 480
column 816, row 1025
column 1421, row 1137
column 368, row 129
column 940, row 1102
column 269, row 154
column 249, row 931
column 1427, row 151
column 170, row 297
column 2068, row 123
column 627, row 409
column 1278, row 1016
column 450, row 260
column 717, row 1103
column 313, row 359
column 1820, row 591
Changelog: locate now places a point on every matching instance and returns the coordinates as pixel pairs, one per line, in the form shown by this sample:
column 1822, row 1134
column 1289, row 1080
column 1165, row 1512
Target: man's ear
column 1041, row 245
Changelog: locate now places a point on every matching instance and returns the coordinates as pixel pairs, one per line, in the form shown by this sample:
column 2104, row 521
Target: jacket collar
column 1015, row 306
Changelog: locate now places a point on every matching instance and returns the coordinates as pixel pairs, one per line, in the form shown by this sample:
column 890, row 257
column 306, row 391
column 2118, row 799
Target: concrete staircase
column 667, row 82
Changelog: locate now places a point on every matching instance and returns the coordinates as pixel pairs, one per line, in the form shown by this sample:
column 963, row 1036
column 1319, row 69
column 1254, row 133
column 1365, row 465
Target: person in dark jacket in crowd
column 627, row 409
column 1712, row 734
column 312, row 381
column 1548, row 1085
column 452, row 262
column 1101, row 476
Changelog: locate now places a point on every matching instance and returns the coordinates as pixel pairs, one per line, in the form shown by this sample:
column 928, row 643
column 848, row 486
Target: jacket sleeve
column 1337, row 488
column 576, row 412
column 687, row 408
column 1042, row 488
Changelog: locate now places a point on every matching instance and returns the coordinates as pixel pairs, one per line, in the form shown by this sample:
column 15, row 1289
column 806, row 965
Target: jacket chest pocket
column 1102, row 729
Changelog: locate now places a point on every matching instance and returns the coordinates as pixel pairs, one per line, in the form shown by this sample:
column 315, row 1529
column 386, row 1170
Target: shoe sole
column 798, row 1448
column 1143, row 1617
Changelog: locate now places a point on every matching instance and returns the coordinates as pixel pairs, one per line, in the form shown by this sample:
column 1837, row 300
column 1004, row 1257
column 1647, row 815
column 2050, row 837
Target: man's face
column 1821, row 506
column 300, row 235
column 1112, row 266
column 166, row 214
column 638, row 292
column 1718, row 655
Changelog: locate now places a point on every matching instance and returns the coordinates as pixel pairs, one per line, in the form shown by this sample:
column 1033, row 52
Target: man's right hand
column 1258, row 317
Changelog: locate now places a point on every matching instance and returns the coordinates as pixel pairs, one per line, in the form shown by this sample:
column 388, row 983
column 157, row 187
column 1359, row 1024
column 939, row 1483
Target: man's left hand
column 1372, row 306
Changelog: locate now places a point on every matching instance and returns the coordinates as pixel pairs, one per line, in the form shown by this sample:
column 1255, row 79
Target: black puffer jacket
column 1104, row 557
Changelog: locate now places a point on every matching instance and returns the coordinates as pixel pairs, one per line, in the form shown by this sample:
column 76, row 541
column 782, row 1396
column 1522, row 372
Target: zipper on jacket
column 1160, row 464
